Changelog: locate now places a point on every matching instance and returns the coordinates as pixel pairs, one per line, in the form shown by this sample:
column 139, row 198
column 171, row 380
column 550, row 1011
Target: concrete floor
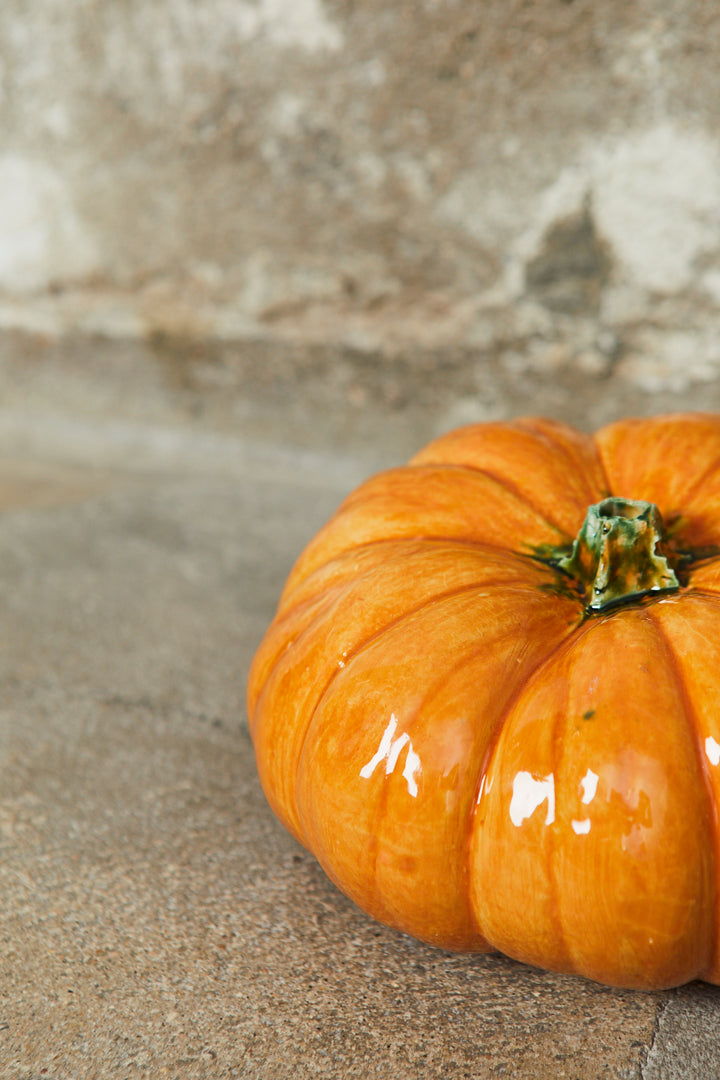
column 156, row 921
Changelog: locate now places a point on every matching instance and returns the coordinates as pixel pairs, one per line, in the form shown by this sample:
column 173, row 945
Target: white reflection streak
column 529, row 792
column 712, row 749
column 589, row 785
column 391, row 750
column 412, row 766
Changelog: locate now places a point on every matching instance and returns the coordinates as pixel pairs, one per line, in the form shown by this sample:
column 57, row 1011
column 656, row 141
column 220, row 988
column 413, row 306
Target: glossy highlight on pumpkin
column 475, row 752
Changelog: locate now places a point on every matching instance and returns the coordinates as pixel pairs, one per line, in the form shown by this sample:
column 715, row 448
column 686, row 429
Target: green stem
column 620, row 554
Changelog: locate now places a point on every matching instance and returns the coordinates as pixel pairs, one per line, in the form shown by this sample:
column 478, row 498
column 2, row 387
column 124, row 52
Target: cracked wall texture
column 534, row 182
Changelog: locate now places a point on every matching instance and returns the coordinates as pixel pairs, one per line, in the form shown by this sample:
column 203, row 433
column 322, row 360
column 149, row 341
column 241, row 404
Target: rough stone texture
column 687, row 1043
column 541, row 178
column 243, row 400
column 155, row 919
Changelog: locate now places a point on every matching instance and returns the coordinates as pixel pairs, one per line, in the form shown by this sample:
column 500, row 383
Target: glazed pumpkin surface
column 489, row 701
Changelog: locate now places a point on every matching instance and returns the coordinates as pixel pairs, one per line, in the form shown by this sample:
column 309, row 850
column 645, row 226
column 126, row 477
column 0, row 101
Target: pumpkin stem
column 620, row 554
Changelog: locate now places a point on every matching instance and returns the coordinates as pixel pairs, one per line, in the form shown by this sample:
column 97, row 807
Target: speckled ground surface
column 155, row 920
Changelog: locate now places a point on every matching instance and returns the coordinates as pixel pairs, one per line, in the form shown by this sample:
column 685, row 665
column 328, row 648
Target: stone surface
column 687, row 1043
column 242, row 402
column 156, row 920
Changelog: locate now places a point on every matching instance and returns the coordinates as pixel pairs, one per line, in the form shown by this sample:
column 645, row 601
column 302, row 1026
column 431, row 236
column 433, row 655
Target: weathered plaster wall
column 537, row 183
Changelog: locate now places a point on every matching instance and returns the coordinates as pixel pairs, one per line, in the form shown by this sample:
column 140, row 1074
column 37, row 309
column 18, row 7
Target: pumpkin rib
column 320, row 601
column 554, row 859
column 574, row 635
column 436, row 688
column 416, row 502
column 429, row 602
column 641, row 445
column 284, row 647
column 552, row 452
column 410, row 612
column 400, row 542
column 565, row 644
column 367, row 642
column 479, row 545
column 558, row 648
column 554, row 839
column 693, row 725
column 329, row 593
column 549, row 434
column 385, row 796
column 521, row 496
column 693, row 490
column 344, row 586
column 527, row 612
column 503, row 482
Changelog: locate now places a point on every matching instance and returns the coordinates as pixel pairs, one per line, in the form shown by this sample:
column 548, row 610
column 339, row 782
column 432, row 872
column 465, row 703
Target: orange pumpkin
column 494, row 715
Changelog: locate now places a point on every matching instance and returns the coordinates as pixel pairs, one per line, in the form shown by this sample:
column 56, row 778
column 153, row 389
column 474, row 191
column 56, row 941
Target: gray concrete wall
column 535, row 183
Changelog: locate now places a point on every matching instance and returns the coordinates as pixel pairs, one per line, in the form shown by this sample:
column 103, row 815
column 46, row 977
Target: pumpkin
column 489, row 701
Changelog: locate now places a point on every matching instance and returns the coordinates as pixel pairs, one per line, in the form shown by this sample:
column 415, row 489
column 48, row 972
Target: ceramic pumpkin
column 490, row 699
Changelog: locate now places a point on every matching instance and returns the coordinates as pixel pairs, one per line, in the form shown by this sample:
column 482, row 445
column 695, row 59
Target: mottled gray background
column 424, row 207
column 251, row 250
